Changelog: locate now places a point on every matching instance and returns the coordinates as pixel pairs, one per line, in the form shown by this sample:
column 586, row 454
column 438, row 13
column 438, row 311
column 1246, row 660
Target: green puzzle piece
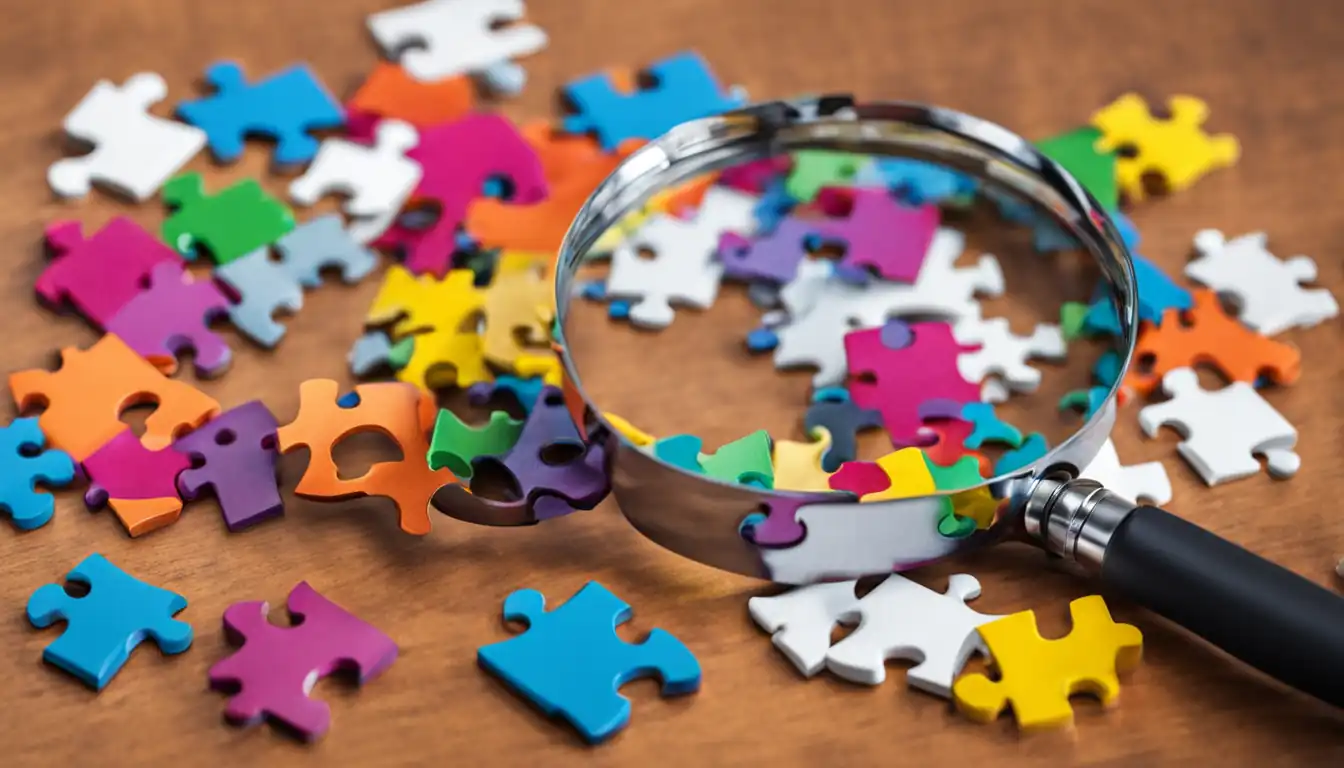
column 964, row 473
column 817, row 168
column 454, row 444
column 1076, row 150
column 231, row 223
column 746, row 460
column 399, row 354
column 1071, row 317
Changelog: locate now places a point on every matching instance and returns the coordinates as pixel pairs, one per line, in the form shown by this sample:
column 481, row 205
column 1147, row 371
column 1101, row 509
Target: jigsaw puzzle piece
column 100, row 274
column 435, row 39
column 817, row 168
column 988, row 427
column 1177, row 148
column 375, row 349
column 746, row 460
column 1032, row 449
column 392, row 409
column 25, row 462
column 1095, row 169
column 523, row 391
column 139, row 485
column 1037, row 676
column 284, row 106
column 116, row 614
column 444, row 358
column 570, row 661
column 1267, row 290
column 970, row 508
column 904, row 473
column 1221, row 448
column 323, row 243
column 798, row 465
column 1005, row 354
column 134, row 152
column 263, row 288
column 277, row 666
column 389, row 93
column 755, row 176
column 1157, row 294
column 880, row 233
column 519, row 309
column 230, row 223
column 834, row 410
column 172, row 315
column 801, row 621
column 85, row 397
column 378, row 179
column 455, row 445
column 1147, row 481
column 233, row 457
column 773, row 257
column 918, row 182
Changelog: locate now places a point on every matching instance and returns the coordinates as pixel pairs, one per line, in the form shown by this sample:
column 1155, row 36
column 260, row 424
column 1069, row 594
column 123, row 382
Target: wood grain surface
column 1270, row 74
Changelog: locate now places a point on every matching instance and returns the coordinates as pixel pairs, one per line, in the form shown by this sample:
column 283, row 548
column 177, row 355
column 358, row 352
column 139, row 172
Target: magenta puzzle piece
column 879, row 232
column 98, row 275
column 756, row 175
column 458, row 158
column 770, row 258
column 860, row 478
column 173, row 315
column 277, row 666
column 233, row 456
column 126, row 469
column 898, row 382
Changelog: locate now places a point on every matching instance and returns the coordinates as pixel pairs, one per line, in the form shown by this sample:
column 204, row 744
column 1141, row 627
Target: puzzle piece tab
column 570, row 662
column 1176, row 148
column 139, row 485
column 24, row 463
column 230, row 223
column 1037, row 676
column 102, row 628
column 284, row 106
column 233, row 457
column 1267, row 290
column 134, row 152
column 99, row 275
column 85, row 397
column 172, row 315
column 436, row 39
column 274, row 671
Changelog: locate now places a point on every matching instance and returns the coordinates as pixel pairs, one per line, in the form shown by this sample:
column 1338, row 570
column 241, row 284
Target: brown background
column 1271, row 76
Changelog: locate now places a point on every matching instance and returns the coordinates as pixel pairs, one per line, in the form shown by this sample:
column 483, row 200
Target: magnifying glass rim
column 836, row 122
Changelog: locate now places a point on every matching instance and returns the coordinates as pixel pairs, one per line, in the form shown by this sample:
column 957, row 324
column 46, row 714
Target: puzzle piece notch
column 234, row 457
column 1222, row 449
column 231, row 223
column 25, row 462
column 455, row 445
column 570, row 662
column 1176, row 148
column 263, row 288
column 137, row 483
column 100, row 274
column 102, row 628
column 171, row 316
column 134, row 152
column 1147, row 481
column 276, row 668
column 283, row 106
column 1267, row 290
column 436, row 39
column 1037, row 676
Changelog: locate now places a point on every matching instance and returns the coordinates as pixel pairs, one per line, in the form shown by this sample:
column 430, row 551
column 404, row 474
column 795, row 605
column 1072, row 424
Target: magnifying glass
column 1259, row 612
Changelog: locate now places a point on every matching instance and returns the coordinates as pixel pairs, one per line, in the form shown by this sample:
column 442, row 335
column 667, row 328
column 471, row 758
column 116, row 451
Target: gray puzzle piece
column 321, row 243
column 369, row 352
column 263, row 287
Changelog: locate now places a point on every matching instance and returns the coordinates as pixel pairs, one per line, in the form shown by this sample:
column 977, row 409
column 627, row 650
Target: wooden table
column 1271, row 77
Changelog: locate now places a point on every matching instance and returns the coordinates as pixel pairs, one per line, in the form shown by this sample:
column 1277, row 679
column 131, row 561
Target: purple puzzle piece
column 171, row 316
column 774, row 257
column 755, row 176
column 98, row 275
column 233, row 456
column 880, row 232
column 897, row 382
column 277, row 666
column 125, row 469
column 781, row 528
column 458, row 158
column 549, row 472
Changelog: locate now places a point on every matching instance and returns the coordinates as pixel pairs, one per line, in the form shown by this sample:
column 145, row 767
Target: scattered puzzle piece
column 969, row 509
column 389, row 93
column 746, row 460
column 570, row 661
column 171, row 316
column 375, row 349
column 1266, row 288
column 797, row 465
column 323, row 243
column 1004, row 354
column 230, row 223
column 1037, row 676
column 918, row 182
column 85, row 397
column 519, row 310
column 99, row 275
column 444, row 314
column 139, row 485
column 1093, row 168
column 263, row 288
column 770, row 257
column 987, row 427
column 1147, row 481
column 134, row 152
column 233, row 457
column 102, row 628
column 24, row 463
column 454, row 444
column 834, row 410
column 435, row 39
column 274, row 671
column 284, row 106
column 1177, row 148
column 801, row 620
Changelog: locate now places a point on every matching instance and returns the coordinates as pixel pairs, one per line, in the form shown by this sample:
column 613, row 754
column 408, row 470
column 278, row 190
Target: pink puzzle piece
column 99, row 275
column 277, row 666
column 172, row 316
column 897, row 382
column 860, row 478
column 458, row 158
column 756, row 175
column 880, row 232
column 139, row 485
column 233, row 456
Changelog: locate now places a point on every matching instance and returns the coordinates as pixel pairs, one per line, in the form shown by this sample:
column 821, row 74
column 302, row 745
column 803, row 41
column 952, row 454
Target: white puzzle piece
column 454, row 37
column 801, row 620
column 1224, row 429
column 901, row 619
column 1004, row 353
column 1267, row 289
column 1147, row 482
column 134, row 152
column 683, row 268
column 378, row 178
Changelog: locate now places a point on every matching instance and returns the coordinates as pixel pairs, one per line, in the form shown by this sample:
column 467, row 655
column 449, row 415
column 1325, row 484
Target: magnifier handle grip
column 1259, row 612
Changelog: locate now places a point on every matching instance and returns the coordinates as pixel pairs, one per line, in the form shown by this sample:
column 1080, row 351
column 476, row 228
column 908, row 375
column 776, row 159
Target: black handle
column 1264, row 614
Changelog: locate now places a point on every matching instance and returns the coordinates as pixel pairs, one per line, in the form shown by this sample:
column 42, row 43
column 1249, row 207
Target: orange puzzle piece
column 398, row 411
column 1206, row 334
column 389, row 92
column 86, row 396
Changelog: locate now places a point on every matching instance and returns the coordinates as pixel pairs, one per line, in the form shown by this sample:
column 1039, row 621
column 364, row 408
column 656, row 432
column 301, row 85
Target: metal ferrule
column 1074, row 519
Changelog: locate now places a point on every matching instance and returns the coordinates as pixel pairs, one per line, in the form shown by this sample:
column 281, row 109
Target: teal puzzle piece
column 23, row 464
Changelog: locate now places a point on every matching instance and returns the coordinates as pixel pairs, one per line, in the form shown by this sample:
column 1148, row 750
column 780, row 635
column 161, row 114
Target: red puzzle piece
column 172, row 316
column 139, row 485
column 880, row 232
column 98, row 275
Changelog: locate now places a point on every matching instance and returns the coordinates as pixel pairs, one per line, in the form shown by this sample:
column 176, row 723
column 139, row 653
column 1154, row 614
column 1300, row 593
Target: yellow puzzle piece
column 519, row 308
column 909, row 475
column 446, row 358
column 422, row 303
column 1037, row 676
column 798, row 465
column 1178, row 149
column 634, row 434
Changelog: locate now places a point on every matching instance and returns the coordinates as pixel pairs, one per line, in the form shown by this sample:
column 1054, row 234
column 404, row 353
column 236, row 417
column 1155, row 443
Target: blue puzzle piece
column 1106, row 371
column 988, row 427
column 618, row 309
column 23, row 464
column 348, row 400
column 570, row 662
column 762, row 340
column 1157, row 293
column 772, row 206
column 105, row 625
column 916, row 181
column 1088, row 400
column 681, row 451
column 285, row 107
column 683, row 89
column 1033, row 448
column 525, row 391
